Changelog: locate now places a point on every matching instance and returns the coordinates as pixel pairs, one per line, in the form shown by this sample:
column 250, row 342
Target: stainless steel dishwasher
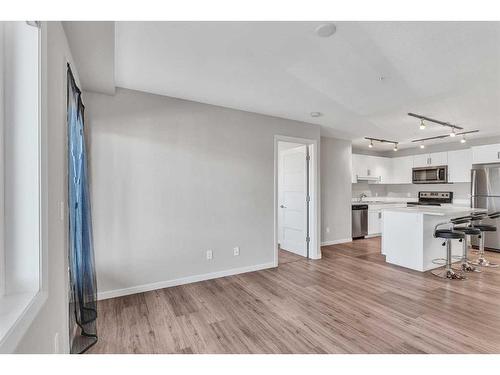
column 359, row 220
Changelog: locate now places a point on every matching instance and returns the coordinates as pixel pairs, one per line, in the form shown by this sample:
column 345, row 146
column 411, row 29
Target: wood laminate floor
column 287, row 257
column 350, row 301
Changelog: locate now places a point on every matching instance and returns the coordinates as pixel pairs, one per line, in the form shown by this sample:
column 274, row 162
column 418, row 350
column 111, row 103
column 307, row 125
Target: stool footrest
column 439, row 261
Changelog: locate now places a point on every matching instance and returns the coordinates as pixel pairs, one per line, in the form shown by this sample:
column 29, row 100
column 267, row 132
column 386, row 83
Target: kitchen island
column 407, row 235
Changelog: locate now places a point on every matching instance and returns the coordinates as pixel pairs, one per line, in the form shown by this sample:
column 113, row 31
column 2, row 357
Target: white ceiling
column 92, row 45
column 364, row 79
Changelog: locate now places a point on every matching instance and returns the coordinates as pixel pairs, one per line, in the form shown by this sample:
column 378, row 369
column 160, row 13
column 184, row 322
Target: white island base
column 407, row 236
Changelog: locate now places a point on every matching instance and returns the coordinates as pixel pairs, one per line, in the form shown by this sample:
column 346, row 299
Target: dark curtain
column 83, row 286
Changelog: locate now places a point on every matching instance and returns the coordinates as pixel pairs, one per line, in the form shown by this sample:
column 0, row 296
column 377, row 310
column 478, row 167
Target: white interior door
column 292, row 194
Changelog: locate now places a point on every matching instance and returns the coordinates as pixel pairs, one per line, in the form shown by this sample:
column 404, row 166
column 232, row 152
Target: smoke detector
column 325, row 30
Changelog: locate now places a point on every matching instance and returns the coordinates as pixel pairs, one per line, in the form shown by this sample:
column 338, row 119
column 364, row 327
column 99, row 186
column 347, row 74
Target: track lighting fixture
column 463, row 140
column 442, row 123
column 452, row 134
column 381, row 141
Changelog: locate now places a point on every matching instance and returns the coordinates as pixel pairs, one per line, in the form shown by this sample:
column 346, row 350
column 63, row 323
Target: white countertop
column 372, row 202
column 435, row 211
column 383, row 200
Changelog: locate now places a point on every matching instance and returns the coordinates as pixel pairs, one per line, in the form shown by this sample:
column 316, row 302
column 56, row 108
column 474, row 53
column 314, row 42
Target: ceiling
column 93, row 48
column 364, row 79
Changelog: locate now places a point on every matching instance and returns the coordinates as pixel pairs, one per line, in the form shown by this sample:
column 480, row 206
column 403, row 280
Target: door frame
column 314, row 204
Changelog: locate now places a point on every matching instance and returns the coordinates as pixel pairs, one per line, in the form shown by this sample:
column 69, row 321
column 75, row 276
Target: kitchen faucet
column 361, row 196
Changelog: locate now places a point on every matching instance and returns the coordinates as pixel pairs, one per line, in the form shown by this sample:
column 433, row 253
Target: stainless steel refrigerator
column 485, row 193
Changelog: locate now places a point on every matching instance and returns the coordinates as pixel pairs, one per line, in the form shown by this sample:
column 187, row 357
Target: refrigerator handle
column 472, row 186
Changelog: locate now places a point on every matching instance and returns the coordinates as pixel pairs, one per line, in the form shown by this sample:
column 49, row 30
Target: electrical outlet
column 209, row 254
column 236, row 251
column 327, row 229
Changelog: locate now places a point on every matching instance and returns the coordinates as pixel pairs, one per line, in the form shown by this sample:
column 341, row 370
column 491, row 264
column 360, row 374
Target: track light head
column 463, row 140
column 422, row 124
column 371, row 144
column 395, row 147
column 422, row 145
column 452, row 134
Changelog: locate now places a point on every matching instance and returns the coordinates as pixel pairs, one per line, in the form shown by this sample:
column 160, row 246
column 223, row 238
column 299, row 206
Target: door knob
column 282, row 206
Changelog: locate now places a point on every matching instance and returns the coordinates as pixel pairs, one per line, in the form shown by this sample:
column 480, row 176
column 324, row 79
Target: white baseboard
column 183, row 280
column 335, row 242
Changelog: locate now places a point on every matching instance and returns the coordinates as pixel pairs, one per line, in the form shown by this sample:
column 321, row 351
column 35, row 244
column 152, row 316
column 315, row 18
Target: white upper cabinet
column 438, row 158
column 378, row 169
column 358, row 166
column 432, row 159
column 401, row 170
column 486, row 154
column 398, row 170
column 459, row 165
column 382, row 168
column 421, row 160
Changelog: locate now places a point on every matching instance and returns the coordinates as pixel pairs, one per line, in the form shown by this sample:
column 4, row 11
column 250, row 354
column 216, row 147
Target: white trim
column 314, row 208
column 373, row 235
column 28, row 305
column 2, row 196
column 335, row 242
column 28, row 308
column 181, row 281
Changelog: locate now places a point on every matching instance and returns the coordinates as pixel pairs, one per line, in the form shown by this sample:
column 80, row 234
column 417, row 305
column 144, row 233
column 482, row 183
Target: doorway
column 296, row 205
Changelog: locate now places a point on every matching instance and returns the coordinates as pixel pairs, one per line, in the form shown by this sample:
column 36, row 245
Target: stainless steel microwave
column 430, row 175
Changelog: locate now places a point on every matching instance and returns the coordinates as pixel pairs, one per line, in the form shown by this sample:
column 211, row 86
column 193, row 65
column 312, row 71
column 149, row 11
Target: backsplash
column 460, row 190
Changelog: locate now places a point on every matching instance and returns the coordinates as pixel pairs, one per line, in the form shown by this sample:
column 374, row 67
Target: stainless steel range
column 433, row 198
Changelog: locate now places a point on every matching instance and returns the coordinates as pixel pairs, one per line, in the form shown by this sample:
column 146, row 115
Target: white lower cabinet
column 374, row 222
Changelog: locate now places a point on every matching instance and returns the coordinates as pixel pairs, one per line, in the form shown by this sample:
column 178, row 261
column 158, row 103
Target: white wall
column 336, row 164
column 172, row 179
column 53, row 317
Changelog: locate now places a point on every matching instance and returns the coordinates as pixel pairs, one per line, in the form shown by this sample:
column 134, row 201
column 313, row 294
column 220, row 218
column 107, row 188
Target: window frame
column 2, row 217
column 22, row 308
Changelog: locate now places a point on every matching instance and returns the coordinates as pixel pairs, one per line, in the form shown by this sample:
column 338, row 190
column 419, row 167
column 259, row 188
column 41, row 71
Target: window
column 19, row 170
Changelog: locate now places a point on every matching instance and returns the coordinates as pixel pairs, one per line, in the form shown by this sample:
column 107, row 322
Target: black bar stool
column 465, row 265
column 448, row 235
column 481, row 260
